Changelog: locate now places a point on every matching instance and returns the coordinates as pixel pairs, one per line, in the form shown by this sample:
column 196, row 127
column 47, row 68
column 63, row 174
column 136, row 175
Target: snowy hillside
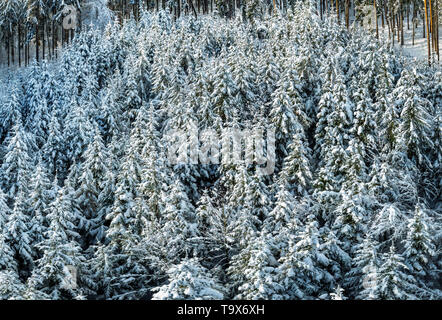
column 208, row 158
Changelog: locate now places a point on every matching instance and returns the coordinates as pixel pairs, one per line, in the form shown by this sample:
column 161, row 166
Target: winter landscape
column 220, row 149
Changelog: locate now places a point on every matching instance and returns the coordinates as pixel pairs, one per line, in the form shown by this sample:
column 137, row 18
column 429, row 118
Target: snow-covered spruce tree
column 361, row 279
column 178, row 224
column 287, row 111
column 364, row 125
column 11, row 111
column 334, row 117
column 18, row 234
column 162, row 75
column 224, row 90
column 350, row 219
column 339, row 256
column 228, row 169
column 253, row 271
column 154, row 170
column 61, row 251
column 111, row 119
column 385, row 115
column 122, row 237
column 131, row 79
column 150, row 253
column 11, row 288
column 31, row 292
column 253, row 10
column 125, row 225
column 201, row 89
column 283, row 220
column 355, row 167
column 389, row 226
column 362, row 143
column 4, row 210
column 51, row 89
column 101, row 271
column 249, row 199
column 305, row 273
column 78, row 132
column 216, row 242
column 17, row 163
column 289, row 273
column 37, row 109
column 93, row 190
column 244, row 74
column 393, row 283
column 296, row 172
column 415, row 125
column 419, row 250
column 53, row 151
column 126, row 191
column 391, row 182
column 338, row 294
column 42, row 194
column 7, row 260
column 437, row 153
column 182, row 126
column 89, row 97
column 269, row 73
column 77, row 63
column 189, row 280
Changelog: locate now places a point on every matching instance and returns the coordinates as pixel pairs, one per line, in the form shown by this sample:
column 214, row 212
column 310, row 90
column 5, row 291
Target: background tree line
column 34, row 28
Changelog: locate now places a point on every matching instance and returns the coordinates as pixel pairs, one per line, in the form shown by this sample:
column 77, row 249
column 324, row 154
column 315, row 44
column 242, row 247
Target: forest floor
column 419, row 49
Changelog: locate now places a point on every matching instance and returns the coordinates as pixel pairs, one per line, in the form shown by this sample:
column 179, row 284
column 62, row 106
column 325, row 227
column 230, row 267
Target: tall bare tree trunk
column 428, row 33
column 19, row 44
column 437, row 31
column 376, row 18
column 337, row 11
column 430, row 23
column 414, row 25
column 12, row 47
column 401, row 12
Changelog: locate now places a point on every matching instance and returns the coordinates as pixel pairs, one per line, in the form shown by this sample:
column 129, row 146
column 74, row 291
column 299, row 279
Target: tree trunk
column 19, row 44
column 337, row 11
column 414, row 25
column 437, row 31
column 428, row 33
column 12, row 48
column 401, row 12
column 376, row 18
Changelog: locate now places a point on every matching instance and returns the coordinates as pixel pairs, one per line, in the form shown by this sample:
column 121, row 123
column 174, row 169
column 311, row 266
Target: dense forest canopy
column 91, row 207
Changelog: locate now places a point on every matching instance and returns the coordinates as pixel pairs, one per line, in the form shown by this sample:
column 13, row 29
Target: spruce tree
column 393, row 283
column 188, row 280
column 93, row 190
column 18, row 234
column 17, row 163
column 61, row 252
column 419, row 248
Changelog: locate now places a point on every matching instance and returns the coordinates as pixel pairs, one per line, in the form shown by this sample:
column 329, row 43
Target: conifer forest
column 220, row 149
